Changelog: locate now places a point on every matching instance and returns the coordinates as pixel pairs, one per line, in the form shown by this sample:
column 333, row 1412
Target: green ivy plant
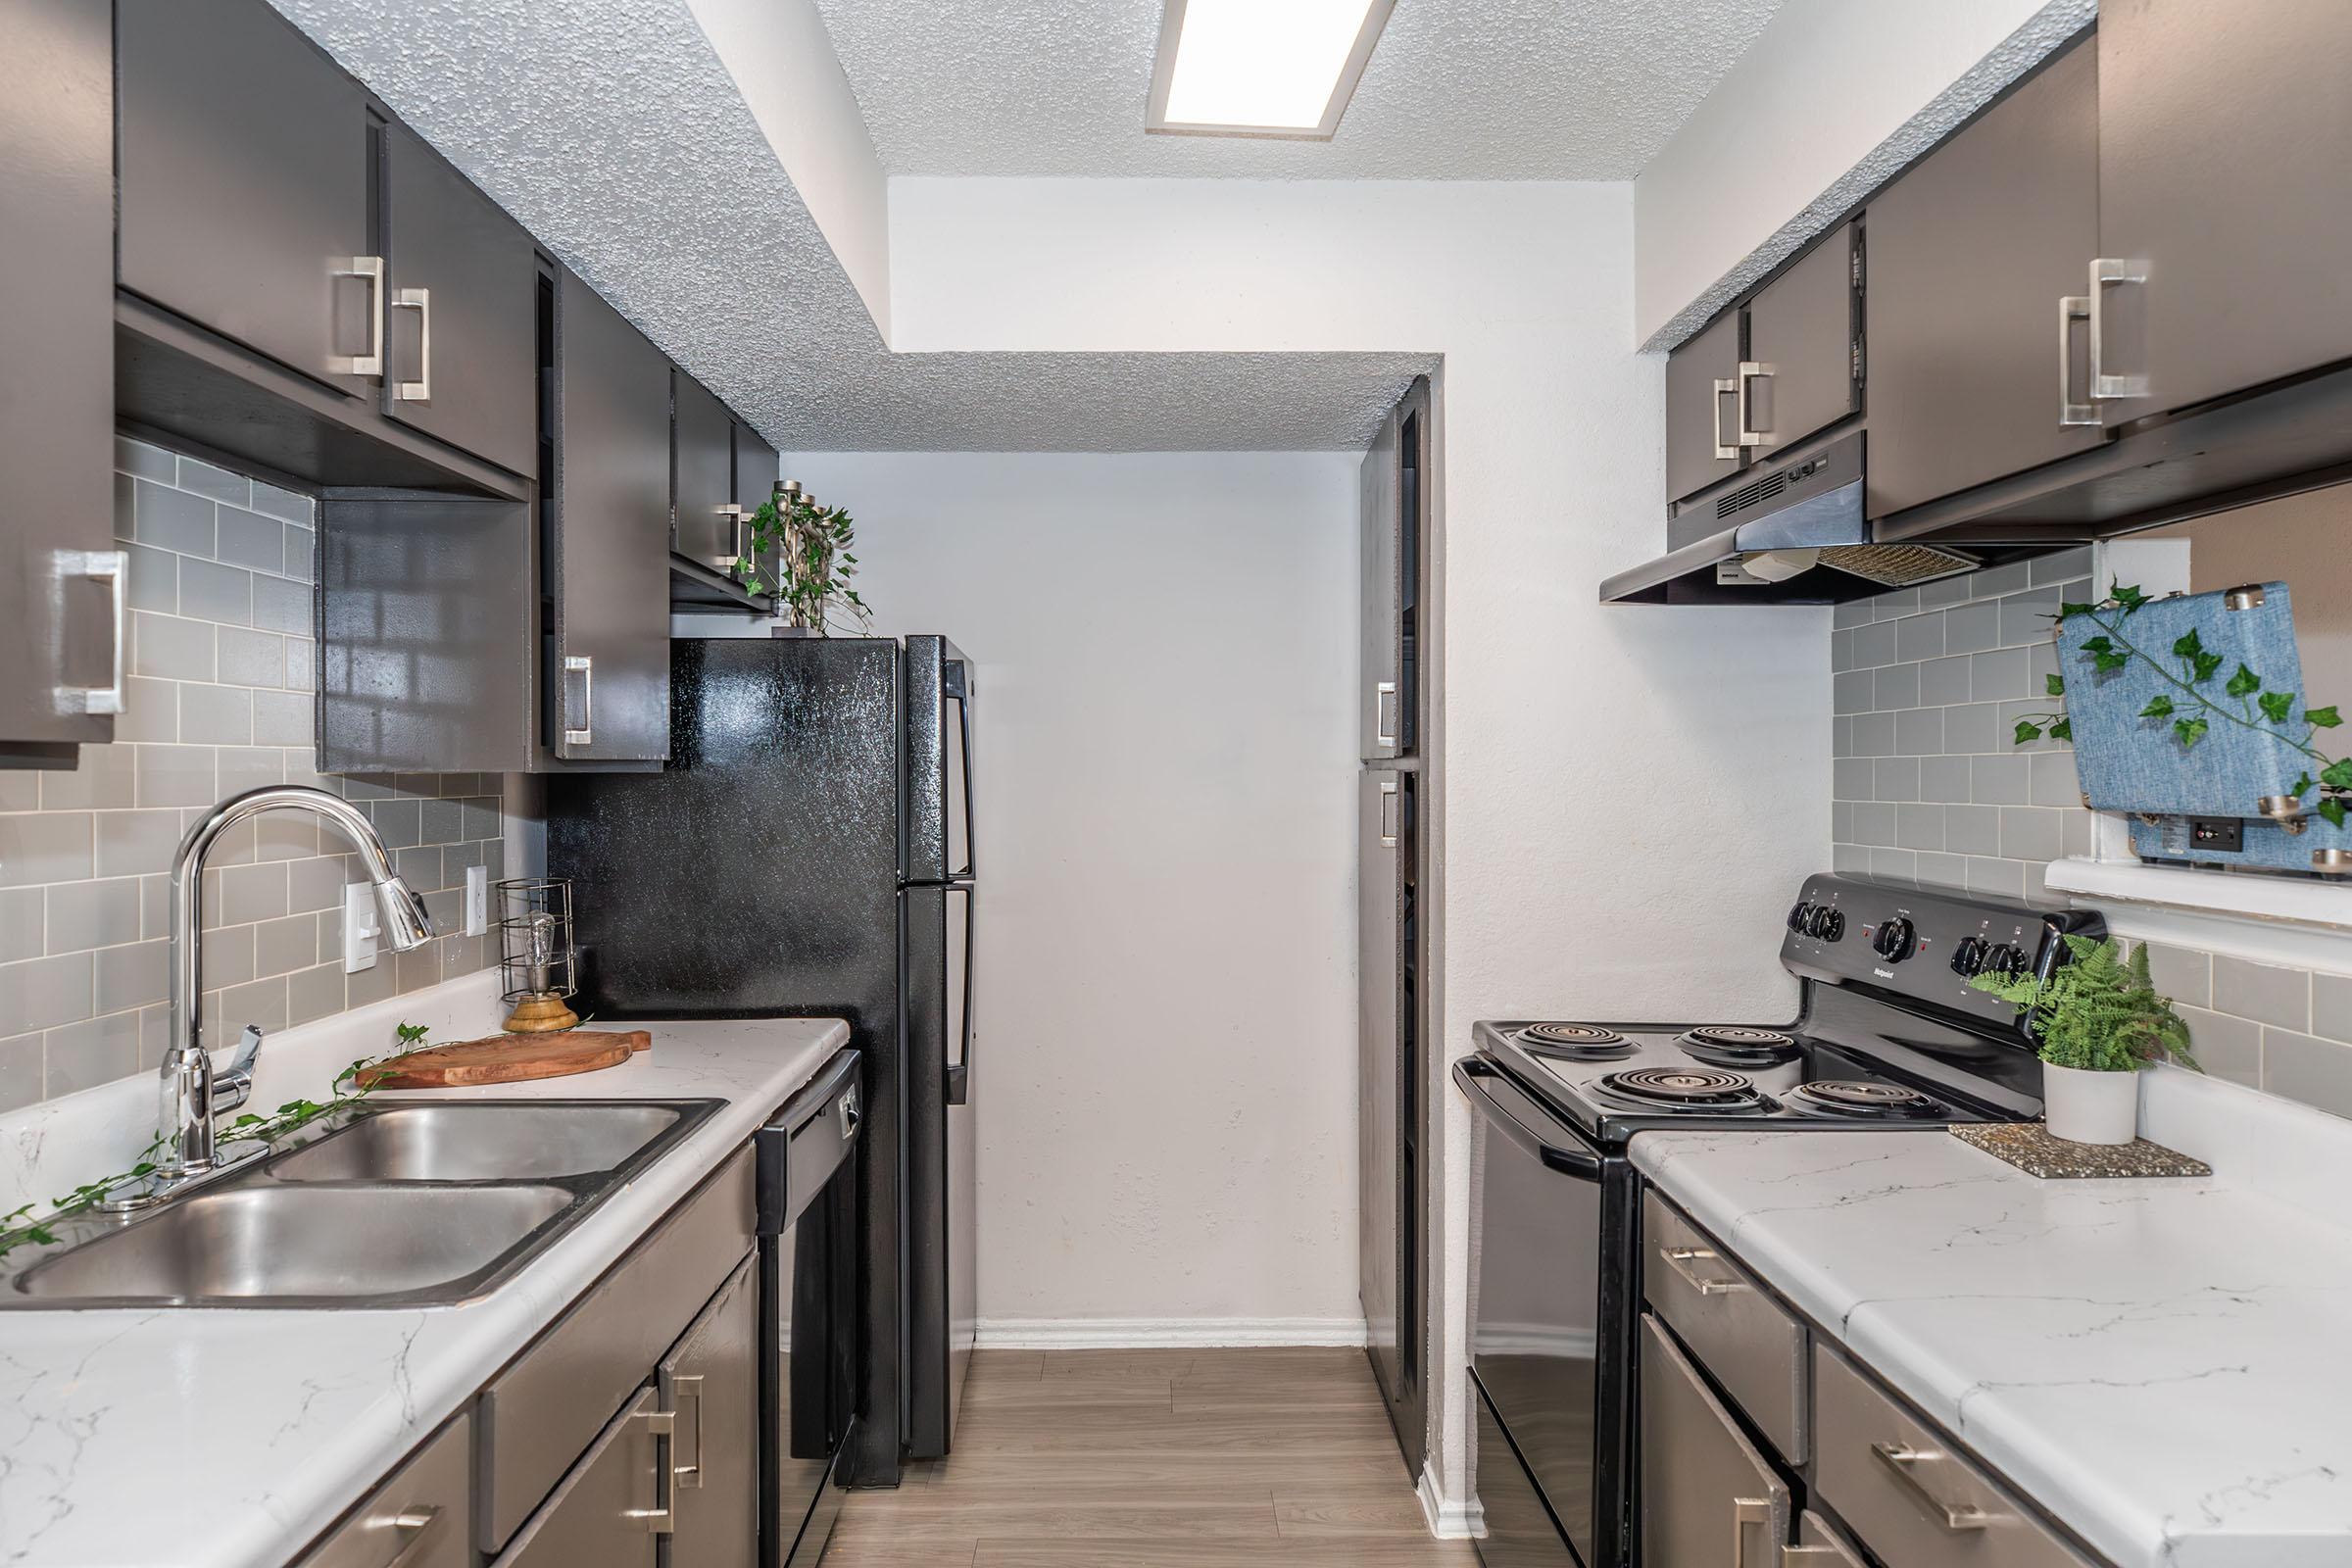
column 814, row 568
column 2099, row 1012
column 2193, row 704
column 21, row 1227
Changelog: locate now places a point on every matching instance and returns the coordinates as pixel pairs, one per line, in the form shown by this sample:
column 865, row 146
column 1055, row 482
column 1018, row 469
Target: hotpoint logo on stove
column 1884, row 974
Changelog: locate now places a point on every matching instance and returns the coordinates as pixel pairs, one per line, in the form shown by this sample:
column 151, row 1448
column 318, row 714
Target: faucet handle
column 249, row 1045
column 233, row 1086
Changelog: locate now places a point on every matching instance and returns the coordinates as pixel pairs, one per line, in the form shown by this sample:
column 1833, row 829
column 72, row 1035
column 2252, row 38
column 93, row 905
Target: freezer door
column 939, row 777
column 940, row 1178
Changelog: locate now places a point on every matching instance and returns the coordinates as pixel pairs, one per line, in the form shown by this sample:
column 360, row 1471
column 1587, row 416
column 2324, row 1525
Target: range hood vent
column 1794, row 534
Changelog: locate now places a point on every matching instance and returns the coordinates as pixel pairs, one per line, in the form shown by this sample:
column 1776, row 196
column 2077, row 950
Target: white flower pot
column 2091, row 1107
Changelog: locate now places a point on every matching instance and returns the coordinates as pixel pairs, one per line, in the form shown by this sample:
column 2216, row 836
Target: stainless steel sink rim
column 588, row 1189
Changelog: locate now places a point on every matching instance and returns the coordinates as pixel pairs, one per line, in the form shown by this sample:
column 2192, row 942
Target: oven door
column 1535, row 1325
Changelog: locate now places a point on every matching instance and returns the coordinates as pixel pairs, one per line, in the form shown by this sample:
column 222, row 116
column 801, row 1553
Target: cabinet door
column 1801, row 340
column 1973, row 354
column 1700, row 420
column 1706, row 1494
column 60, row 583
column 704, row 433
column 756, row 474
column 2225, row 165
column 417, row 1519
column 610, row 684
column 245, row 184
column 457, row 340
column 612, row 1507
column 710, row 1385
column 1380, row 805
column 1382, row 532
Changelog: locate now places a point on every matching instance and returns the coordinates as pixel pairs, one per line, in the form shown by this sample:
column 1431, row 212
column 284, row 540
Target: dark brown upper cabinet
column 1702, row 408
column 245, row 188
column 706, row 527
column 2224, row 198
column 460, row 277
column 608, row 689
column 1803, row 370
column 1977, row 348
column 62, row 626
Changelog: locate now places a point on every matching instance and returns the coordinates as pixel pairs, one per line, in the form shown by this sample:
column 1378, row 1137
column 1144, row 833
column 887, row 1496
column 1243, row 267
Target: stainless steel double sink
column 392, row 1204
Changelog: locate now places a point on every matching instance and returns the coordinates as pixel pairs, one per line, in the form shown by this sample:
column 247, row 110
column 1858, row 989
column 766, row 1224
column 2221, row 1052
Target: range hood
column 1794, row 533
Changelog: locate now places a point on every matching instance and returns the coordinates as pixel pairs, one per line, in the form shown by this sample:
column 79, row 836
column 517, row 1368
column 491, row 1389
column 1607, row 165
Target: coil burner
column 1692, row 1088
column 1728, row 1045
column 1867, row 1098
column 1574, row 1042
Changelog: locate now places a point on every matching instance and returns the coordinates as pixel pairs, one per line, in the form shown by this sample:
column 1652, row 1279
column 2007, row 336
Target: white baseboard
column 1152, row 1333
column 1449, row 1518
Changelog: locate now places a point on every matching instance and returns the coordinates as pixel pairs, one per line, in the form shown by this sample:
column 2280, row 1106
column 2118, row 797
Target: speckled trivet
column 2029, row 1146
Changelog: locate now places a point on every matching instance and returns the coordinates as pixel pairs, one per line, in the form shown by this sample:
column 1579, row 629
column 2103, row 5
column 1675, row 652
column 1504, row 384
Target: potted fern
column 2099, row 1020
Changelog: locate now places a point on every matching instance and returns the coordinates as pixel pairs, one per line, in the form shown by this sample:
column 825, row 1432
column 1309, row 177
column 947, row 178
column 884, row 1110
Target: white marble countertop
column 2163, row 1366
column 229, row 1439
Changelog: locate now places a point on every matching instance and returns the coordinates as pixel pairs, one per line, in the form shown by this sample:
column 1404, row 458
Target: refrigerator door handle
column 959, row 1072
column 958, row 685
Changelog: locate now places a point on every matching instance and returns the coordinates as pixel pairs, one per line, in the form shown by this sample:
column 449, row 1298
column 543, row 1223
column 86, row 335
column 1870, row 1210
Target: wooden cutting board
column 505, row 1060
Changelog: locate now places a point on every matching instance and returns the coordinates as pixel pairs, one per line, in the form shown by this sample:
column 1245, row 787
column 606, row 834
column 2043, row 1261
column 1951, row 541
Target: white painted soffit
column 615, row 132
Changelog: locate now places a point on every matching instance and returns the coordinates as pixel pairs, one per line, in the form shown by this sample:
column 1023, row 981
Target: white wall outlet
column 361, row 925
column 477, row 901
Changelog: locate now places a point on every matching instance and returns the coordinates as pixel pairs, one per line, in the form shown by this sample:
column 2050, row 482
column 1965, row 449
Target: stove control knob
column 2007, row 959
column 1799, row 916
column 1894, row 939
column 1825, row 923
column 1968, row 957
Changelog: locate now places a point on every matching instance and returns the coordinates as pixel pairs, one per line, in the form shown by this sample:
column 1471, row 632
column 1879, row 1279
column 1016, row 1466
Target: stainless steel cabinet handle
column 690, row 1475
column 112, row 567
column 1747, row 1512
column 663, row 1520
column 371, row 363
column 1680, row 1259
column 1727, row 387
column 1904, row 1462
column 2108, row 271
column 2072, row 307
column 1384, row 722
column 416, row 1523
column 1388, row 815
column 1751, row 372
column 734, row 515
column 421, row 390
column 1828, row 1552
column 584, row 666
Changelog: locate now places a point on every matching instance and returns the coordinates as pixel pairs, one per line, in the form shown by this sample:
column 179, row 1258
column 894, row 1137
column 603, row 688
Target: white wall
column 1166, row 767
column 1610, row 774
column 1832, row 98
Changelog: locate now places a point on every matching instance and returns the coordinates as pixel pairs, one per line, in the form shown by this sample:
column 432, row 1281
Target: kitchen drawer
column 1895, row 1480
column 1754, row 1349
column 539, row 1413
column 417, row 1519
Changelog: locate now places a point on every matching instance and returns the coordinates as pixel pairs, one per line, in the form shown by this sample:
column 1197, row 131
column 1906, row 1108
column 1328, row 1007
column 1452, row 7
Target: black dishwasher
column 808, row 1291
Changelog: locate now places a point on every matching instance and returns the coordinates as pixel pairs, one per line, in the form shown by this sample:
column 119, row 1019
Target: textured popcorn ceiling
column 611, row 130
column 1458, row 89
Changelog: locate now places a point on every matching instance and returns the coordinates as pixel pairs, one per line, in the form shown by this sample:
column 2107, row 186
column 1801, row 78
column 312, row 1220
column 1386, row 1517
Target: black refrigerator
column 807, row 852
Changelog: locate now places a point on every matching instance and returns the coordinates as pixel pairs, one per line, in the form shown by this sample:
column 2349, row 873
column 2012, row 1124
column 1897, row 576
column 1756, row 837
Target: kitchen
column 1323, row 591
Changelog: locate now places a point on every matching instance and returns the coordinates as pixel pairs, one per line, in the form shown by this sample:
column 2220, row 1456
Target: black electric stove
column 1888, row 1035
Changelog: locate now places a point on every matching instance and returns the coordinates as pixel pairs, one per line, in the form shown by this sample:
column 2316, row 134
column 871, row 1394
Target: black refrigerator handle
column 959, row 1072
column 957, row 684
column 1492, row 1094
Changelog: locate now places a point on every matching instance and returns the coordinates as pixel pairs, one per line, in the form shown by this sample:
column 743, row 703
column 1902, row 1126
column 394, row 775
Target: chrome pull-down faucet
column 192, row 1092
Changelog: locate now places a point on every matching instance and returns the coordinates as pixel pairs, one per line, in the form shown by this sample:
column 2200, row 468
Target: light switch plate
column 477, row 901
column 361, row 925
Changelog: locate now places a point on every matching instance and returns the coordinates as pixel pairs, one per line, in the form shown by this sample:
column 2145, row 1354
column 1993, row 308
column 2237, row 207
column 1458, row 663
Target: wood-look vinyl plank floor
column 1156, row 1459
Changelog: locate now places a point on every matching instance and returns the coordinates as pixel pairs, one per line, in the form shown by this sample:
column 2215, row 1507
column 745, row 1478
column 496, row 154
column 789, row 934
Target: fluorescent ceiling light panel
column 1260, row 68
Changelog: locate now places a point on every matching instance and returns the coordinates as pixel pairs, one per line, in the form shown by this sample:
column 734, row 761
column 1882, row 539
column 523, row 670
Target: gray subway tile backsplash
column 218, row 700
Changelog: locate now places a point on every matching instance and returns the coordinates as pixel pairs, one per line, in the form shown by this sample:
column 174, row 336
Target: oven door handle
column 1475, row 1075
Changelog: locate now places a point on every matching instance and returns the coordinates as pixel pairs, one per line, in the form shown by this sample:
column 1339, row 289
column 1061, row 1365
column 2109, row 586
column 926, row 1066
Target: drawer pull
column 416, row 1523
column 661, row 1521
column 1800, row 1557
column 1904, row 1461
column 1745, row 1512
column 1680, row 1259
column 689, row 1476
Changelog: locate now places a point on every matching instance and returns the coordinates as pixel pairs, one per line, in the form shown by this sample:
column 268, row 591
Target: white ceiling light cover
column 1260, row 68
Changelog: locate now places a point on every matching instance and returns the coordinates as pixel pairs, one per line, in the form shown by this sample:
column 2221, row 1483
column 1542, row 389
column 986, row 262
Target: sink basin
column 479, row 1142
column 304, row 1246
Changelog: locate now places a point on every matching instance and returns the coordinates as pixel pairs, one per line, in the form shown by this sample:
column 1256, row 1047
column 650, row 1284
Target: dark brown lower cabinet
column 608, row 1511
column 1708, row 1495
column 710, row 1384
column 62, row 582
